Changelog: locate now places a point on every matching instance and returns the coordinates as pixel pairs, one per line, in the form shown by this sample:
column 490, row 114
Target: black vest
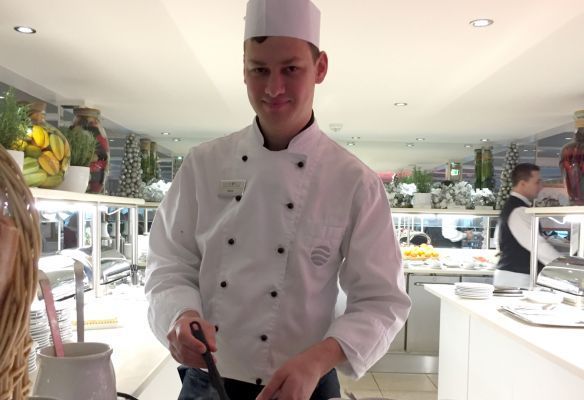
column 513, row 257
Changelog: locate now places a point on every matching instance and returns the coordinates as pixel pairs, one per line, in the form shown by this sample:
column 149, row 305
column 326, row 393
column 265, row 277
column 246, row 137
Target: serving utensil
column 214, row 376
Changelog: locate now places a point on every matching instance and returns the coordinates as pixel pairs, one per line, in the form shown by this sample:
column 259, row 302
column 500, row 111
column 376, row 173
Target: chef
column 261, row 226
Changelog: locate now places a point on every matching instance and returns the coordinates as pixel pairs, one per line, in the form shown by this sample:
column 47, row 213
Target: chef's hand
column 183, row 346
column 298, row 377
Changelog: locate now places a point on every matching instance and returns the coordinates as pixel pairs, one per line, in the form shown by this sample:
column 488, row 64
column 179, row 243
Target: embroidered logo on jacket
column 320, row 255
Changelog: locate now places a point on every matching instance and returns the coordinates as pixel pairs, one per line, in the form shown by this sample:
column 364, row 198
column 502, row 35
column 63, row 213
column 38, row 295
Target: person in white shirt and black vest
column 514, row 231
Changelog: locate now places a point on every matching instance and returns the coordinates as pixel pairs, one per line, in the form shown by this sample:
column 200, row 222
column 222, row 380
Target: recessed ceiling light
column 111, row 140
column 468, row 146
column 410, row 144
column 420, row 139
column 400, row 104
column 165, row 133
column 350, row 143
column 1, row 97
column 481, row 22
column 24, row 29
column 179, row 157
column 484, row 140
column 568, row 138
column 525, row 149
column 176, row 139
column 355, row 137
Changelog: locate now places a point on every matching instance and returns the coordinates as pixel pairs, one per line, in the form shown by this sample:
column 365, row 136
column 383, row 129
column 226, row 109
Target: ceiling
column 176, row 66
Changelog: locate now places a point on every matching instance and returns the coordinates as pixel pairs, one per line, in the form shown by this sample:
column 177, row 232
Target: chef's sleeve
column 172, row 272
column 373, row 279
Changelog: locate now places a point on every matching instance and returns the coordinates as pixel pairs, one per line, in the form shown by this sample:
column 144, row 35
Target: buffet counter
column 447, row 271
column 485, row 354
column 138, row 357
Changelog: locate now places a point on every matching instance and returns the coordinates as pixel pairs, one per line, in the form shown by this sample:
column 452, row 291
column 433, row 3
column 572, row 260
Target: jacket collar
column 305, row 142
column 522, row 197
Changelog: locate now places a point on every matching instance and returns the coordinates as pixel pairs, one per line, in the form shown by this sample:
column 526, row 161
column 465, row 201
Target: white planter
column 76, row 179
column 18, row 157
column 422, row 200
column 483, row 207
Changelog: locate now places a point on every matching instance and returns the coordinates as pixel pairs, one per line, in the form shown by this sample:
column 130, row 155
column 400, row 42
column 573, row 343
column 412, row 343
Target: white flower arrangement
column 458, row 194
column 400, row 195
column 155, row 191
column 483, row 197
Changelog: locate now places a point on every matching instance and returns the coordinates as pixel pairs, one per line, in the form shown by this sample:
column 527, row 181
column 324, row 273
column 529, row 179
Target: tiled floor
column 392, row 386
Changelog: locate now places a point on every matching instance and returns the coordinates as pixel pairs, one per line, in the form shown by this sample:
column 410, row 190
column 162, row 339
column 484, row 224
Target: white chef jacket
column 264, row 267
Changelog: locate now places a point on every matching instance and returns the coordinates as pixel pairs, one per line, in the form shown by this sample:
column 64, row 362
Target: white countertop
column 137, row 354
column 567, row 210
column 447, row 271
column 396, row 212
column 62, row 195
column 563, row 346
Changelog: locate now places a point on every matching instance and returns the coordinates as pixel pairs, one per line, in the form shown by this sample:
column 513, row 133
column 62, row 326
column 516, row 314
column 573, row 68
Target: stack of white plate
column 39, row 325
column 32, row 366
column 474, row 290
column 63, row 310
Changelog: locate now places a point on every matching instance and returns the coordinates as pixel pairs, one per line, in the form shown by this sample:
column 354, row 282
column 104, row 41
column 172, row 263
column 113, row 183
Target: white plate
column 543, row 297
column 473, row 285
column 475, row 297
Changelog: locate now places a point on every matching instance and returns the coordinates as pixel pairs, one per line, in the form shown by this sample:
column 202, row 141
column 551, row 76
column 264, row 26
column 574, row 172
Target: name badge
column 231, row 188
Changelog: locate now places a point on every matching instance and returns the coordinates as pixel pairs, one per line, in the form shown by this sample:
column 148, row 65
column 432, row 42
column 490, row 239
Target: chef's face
column 532, row 186
column 280, row 74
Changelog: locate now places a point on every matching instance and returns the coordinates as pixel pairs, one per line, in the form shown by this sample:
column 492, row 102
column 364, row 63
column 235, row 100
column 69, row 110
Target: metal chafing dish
column 566, row 275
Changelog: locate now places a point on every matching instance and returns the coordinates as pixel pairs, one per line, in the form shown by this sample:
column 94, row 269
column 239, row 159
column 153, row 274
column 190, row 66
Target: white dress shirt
column 264, row 267
column 520, row 226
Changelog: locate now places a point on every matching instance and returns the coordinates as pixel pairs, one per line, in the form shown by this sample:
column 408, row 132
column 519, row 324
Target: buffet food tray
column 562, row 318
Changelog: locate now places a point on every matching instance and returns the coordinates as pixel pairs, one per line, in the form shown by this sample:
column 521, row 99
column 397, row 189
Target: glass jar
column 47, row 151
column 487, row 169
column 478, row 168
column 147, row 171
column 156, row 174
column 89, row 119
column 572, row 162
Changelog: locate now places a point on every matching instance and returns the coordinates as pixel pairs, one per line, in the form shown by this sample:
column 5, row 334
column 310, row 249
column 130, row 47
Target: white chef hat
column 292, row 18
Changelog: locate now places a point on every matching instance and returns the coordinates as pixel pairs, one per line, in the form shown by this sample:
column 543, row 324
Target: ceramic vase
column 572, row 163
column 89, row 119
column 85, row 372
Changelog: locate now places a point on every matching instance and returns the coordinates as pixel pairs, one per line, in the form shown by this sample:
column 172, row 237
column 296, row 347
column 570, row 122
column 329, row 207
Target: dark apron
column 196, row 386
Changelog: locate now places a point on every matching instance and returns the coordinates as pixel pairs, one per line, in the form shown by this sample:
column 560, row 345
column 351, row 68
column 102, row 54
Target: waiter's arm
column 520, row 226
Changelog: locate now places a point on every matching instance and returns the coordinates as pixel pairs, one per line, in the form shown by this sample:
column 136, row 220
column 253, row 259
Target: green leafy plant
column 421, row 178
column 14, row 122
column 82, row 145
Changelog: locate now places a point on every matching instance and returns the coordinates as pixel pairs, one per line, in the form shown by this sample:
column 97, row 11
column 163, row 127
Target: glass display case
column 562, row 226
column 70, row 224
column 445, row 228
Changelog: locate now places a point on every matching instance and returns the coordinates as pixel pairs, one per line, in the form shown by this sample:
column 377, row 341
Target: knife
column 214, row 376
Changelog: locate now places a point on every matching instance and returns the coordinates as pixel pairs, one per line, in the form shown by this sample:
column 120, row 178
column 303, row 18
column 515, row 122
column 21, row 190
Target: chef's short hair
column 522, row 172
column 315, row 51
